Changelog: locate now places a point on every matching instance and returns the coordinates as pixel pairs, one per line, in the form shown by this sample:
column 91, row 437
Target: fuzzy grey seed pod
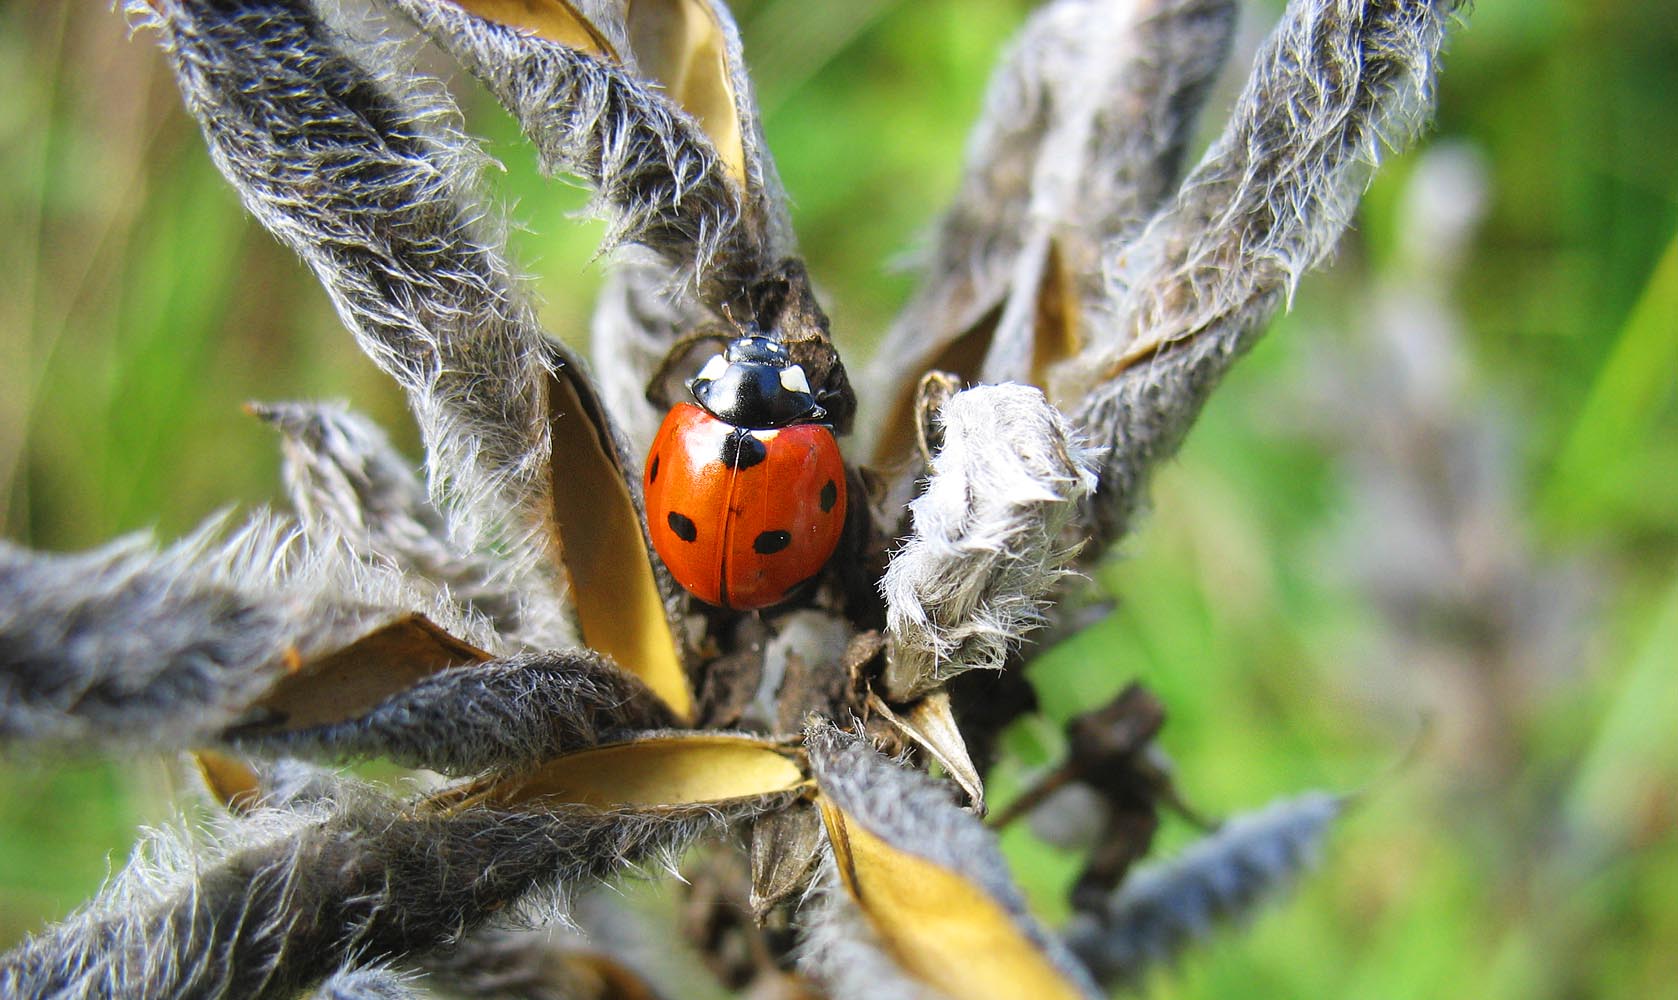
column 1081, row 138
column 656, row 174
column 350, row 487
column 503, row 714
column 131, row 645
column 1338, row 82
column 910, row 813
column 362, row 171
column 284, row 898
column 987, row 546
column 838, row 949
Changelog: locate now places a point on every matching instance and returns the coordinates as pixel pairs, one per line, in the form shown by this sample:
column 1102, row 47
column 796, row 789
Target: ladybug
column 744, row 486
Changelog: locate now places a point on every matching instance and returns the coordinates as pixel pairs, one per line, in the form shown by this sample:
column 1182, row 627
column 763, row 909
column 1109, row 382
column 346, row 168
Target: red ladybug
column 745, row 491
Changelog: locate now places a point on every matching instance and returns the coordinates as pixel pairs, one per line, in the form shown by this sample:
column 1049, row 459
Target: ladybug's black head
column 753, row 383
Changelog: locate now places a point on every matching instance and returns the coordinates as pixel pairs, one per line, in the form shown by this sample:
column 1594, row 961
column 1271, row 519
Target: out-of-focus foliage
column 1438, row 509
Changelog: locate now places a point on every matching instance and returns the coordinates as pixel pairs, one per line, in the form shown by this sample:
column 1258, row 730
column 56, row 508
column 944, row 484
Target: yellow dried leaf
column 231, row 781
column 619, row 605
column 350, row 680
column 555, row 20
column 943, row 929
column 674, row 769
column 680, row 45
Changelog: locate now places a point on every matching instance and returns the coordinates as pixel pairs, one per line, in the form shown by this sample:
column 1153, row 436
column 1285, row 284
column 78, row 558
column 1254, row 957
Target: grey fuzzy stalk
column 987, row 548
column 363, row 173
column 500, row 715
column 1224, row 877
column 287, row 898
column 1338, row 81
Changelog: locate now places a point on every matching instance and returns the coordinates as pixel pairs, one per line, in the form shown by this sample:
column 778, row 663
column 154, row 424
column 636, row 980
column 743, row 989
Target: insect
column 745, row 487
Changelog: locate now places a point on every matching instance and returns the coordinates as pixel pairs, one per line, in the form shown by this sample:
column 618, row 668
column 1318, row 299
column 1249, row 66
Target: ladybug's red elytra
column 746, row 490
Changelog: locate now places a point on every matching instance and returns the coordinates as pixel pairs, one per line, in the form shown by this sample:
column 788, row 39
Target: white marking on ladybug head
column 793, row 380
column 713, row 369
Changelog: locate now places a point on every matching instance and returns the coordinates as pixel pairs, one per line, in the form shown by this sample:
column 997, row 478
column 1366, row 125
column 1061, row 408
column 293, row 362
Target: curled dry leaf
column 655, row 770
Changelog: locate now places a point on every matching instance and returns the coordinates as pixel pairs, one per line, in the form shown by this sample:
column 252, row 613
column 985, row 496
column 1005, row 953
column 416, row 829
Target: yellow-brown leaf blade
column 344, row 682
column 555, row 20
column 931, row 881
column 681, row 46
column 620, row 607
column 664, row 769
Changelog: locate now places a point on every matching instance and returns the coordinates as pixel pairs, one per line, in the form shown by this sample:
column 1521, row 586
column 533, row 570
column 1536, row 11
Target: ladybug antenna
column 749, row 328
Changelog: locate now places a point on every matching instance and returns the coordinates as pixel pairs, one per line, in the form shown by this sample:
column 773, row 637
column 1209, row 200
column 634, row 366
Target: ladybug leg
column 659, row 391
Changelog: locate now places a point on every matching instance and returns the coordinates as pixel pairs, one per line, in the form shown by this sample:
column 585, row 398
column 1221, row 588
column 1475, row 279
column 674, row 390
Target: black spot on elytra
column 770, row 542
column 830, row 496
column 682, row 525
column 652, row 473
column 740, row 450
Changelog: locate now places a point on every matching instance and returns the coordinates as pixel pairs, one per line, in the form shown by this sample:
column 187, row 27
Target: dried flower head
column 505, row 623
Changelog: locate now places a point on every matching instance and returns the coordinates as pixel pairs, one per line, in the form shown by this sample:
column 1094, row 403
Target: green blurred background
column 1436, row 509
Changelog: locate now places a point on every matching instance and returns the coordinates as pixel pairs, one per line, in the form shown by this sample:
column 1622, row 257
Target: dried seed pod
column 930, row 880
column 131, row 645
column 1081, row 138
column 987, row 546
column 1338, row 82
column 282, row 898
column 504, row 714
column 350, row 487
column 664, row 128
column 1223, row 877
